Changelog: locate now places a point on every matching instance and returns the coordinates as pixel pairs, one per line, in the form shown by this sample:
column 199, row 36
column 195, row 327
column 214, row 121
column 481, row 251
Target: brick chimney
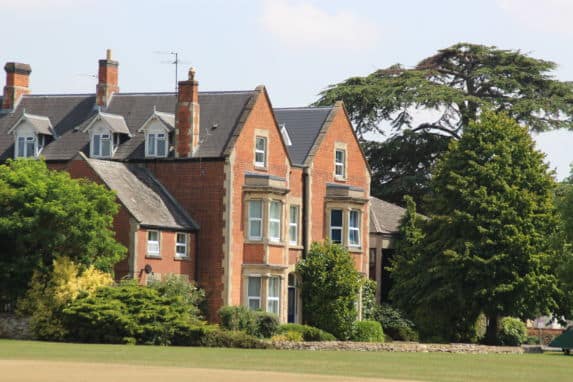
column 17, row 81
column 187, row 117
column 107, row 80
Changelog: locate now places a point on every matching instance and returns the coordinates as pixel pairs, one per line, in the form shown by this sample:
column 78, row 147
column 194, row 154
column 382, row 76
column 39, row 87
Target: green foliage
column 129, row 310
column 489, row 246
column 330, row 287
column 367, row 331
column 232, row 339
column 182, row 291
column 291, row 335
column 238, row 318
column 512, row 332
column 459, row 83
column 308, row 333
column 50, row 293
column 369, row 305
column 267, row 324
column 45, row 214
column 395, row 324
column 402, row 165
column 456, row 85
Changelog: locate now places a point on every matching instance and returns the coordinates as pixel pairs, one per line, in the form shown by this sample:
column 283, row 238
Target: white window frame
column 253, row 297
column 152, row 244
column 341, row 227
column 26, row 139
column 184, row 245
column 340, row 166
column 354, row 229
column 103, row 136
column 152, row 150
column 293, row 225
column 261, row 151
column 275, row 221
column 252, row 219
column 272, row 299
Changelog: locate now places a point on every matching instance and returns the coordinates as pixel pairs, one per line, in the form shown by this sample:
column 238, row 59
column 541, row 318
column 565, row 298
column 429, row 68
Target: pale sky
column 294, row 47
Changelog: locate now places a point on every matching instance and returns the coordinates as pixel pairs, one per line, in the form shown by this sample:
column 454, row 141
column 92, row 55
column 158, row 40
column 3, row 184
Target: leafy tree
column 46, row 214
column 490, row 244
column 455, row 85
column 402, row 165
column 330, row 288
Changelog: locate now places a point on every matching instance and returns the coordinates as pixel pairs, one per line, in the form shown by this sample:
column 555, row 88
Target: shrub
column 128, row 310
column 238, row 318
column 187, row 334
column 367, row 331
column 267, row 324
column 232, row 339
column 369, row 305
column 290, row 335
column 512, row 332
column 395, row 324
column 330, row 284
column 49, row 294
column 181, row 290
column 308, row 333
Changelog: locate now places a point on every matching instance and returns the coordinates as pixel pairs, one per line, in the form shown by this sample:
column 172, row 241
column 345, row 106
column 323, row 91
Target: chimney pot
column 191, row 74
column 108, row 54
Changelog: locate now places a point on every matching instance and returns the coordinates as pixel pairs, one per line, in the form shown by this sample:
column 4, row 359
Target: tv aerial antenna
column 174, row 61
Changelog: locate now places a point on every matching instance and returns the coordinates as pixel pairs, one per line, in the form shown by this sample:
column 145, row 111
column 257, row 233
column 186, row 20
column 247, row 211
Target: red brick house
column 217, row 186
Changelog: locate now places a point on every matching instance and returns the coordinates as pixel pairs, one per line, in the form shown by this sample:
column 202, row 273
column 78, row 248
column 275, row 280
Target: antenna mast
column 175, row 62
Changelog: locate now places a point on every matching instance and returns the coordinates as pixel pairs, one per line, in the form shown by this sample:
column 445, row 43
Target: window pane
column 254, row 304
column 354, row 219
column 255, row 229
column 336, row 218
column 96, row 142
column 256, row 209
column 153, row 236
column 293, row 214
column 30, row 150
column 273, row 306
column 275, row 210
column 150, row 144
column 21, row 146
column 275, row 221
column 105, row 148
column 336, row 235
column 161, row 147
column 261, row 143
column 274, row 286
column 181, row 238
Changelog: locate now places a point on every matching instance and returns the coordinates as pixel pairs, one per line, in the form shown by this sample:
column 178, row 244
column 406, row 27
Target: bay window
column 275, row 208
column 336, row 226
column 255, row 228
column 354, row 228
column 254, row 292
column 273, row 295
column 293, row 225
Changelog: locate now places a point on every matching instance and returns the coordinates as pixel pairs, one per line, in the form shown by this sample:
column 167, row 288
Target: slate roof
column 220, row 114
column 116, row 123
column 385, row 217
column 143, row 196
column 303, row 125
column 42, row 125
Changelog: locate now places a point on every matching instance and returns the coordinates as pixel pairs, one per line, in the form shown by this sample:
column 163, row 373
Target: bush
column 330, row 284
column 367, row 331
column 369, row 305
column 512, row 332
column 232, row 339
column 395, row 324
column 49, row 294
column 308, row 333
column 267, row 324
column 128, row 310
column 238, row 318
column 181, row 290
column 290, row 335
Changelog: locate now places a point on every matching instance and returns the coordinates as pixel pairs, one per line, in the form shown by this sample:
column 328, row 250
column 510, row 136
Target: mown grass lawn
column 419, row 366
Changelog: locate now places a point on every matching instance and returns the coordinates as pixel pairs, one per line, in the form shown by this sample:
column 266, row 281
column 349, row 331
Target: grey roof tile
column 220, row 113
column 303, row 125
column 143, row 196
column 385, row 217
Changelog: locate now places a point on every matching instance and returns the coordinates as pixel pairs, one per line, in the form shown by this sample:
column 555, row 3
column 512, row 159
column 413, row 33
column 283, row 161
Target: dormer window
column 101, row 146
column 156, row 144
column 31, row 134
column 157, row 128
column 105, row 134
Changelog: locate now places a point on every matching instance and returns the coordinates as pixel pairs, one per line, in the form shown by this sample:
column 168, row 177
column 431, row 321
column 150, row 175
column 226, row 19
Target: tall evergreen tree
column 489, row 246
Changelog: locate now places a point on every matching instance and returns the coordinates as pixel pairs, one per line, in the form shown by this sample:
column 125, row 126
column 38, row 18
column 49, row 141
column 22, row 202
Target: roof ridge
column 303, row 108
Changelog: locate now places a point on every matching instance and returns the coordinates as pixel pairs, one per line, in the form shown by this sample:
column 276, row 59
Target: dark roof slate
column 143, row 196
column 303, row 125
column 385, row 217
column 220, row 113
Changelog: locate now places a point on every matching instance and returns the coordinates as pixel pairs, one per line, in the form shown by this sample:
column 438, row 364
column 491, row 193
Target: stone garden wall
column 398, row 347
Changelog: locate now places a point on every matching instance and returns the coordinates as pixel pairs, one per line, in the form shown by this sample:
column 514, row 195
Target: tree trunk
column 491, row 332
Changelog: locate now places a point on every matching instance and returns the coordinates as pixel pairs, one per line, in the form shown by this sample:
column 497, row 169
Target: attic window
column 286, row 137
column 28, row 146
column 101, row 145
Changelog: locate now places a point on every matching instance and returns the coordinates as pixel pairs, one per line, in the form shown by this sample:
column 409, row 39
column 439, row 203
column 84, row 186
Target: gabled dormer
column 158, row 129
column 32, row 133
column 106, row 132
